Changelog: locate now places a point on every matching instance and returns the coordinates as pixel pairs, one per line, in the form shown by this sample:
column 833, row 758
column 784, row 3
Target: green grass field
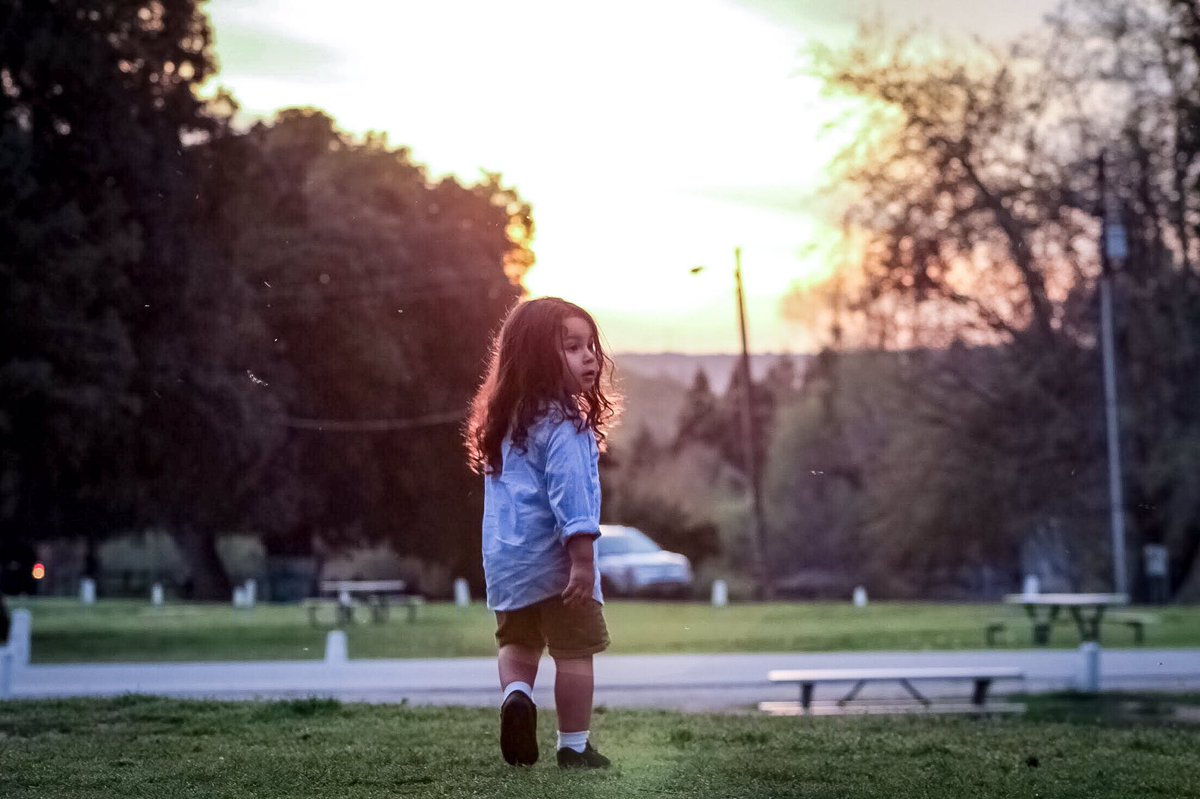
column 112, row 631
column 148, row 747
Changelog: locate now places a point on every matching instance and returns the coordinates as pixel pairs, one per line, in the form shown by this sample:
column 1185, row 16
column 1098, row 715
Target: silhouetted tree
column 190, row 304
column 379, row 287
column 974, row 191
column 699, row 420
column 107, row 361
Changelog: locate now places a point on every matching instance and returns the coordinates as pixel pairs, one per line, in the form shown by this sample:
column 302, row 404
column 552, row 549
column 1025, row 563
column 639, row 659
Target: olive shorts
column 569, row 632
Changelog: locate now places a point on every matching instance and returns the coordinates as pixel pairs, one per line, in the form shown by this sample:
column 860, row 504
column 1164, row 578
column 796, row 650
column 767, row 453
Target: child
column 535, row 430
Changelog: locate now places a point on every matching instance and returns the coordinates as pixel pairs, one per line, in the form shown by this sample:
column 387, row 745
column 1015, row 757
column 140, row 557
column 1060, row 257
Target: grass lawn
column 64, row 631
column 150, row 747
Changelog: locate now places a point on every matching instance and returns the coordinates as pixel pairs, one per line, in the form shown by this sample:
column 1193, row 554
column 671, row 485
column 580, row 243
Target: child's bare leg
column 518, row 664
column 573, row 687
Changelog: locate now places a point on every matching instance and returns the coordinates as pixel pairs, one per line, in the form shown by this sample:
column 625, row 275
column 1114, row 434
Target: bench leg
column 345, row 614
column 853, row 693
column 379, row 609
column 979, row 696
column 914, row 692
column 806, row 692
column 1041, row 633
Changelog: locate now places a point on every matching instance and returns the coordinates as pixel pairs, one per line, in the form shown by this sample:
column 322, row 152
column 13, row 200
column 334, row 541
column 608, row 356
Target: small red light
column 39, row 571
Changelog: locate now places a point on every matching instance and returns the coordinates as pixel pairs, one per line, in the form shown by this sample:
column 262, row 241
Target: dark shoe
column 518, row 730
column 588, row 758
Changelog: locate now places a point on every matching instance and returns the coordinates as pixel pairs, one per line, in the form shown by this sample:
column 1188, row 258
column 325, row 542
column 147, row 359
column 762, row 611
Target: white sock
column 573, row 740
column 516, row 685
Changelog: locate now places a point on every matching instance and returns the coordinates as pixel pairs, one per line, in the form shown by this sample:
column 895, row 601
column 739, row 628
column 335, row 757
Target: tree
column 1152, row 63
column 1140, row 63
column 191, row 304
column 974, row 193
column 380, row 288
column 814, row 510
column 635, row 494
column 96, row 98
column 699, row 420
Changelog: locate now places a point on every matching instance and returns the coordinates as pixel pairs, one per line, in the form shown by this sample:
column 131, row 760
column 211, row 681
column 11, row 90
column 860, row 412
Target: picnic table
column 1087, row 611
column 375, row 594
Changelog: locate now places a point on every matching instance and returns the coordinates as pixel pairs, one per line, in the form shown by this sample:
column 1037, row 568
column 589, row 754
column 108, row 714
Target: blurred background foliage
column 950, row 437
column 208, row 329
column 214, row 332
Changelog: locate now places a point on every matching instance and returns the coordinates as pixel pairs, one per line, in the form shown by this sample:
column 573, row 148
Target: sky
column 649, row 136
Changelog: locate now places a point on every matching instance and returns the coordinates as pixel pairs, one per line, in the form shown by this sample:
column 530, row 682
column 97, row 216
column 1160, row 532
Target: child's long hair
column 525, row 374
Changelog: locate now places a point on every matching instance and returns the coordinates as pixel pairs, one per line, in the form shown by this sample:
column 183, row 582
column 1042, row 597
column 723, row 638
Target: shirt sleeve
column 570, row 474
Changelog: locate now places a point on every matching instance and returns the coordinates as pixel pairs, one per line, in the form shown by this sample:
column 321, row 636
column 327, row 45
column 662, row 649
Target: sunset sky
column 649, row 136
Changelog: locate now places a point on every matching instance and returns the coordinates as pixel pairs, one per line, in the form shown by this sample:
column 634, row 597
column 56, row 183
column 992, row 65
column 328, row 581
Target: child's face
column 580, row 364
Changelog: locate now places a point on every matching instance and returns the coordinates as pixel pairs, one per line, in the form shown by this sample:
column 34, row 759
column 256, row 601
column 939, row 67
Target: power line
column 370, row 425
column 355, row 286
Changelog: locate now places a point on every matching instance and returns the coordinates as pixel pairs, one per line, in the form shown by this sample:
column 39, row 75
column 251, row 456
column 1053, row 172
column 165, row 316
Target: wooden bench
column 982, row 677
column 1135, row 621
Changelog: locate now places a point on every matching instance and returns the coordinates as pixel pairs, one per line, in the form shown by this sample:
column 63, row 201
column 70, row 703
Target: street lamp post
column 750, row 440
column 1114, row 251
column 763, row 590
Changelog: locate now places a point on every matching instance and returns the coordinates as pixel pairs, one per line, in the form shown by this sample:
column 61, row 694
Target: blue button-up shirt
column 545, row 494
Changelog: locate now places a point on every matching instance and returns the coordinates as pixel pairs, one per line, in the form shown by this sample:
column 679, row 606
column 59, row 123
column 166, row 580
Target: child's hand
column 580, row 585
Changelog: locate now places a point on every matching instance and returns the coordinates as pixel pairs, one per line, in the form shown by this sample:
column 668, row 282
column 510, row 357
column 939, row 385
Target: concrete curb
column 687, row 682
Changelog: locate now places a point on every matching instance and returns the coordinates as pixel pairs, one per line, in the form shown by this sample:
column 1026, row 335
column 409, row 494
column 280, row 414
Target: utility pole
column 763, row 589
column 1114, row 251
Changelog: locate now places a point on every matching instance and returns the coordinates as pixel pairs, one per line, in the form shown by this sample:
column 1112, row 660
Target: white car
column 631, row 564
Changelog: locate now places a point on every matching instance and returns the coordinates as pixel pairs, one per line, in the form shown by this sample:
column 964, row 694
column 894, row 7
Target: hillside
column 653, row 402
column 655, row 385
column 681, row 368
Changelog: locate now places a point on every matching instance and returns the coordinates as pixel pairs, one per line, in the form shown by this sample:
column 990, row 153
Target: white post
column 87, row 591
column 720, row 594
column 462, row 592
column 19, row 634
column 156, row 595
column 251, row 590
column 860, row 597
column 239, row 597
column 335, row 648
column 1032, row 585
column 1089, row 677
column 8, row 656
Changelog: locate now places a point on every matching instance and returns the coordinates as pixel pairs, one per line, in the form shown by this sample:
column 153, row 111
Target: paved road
column 682, row 682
